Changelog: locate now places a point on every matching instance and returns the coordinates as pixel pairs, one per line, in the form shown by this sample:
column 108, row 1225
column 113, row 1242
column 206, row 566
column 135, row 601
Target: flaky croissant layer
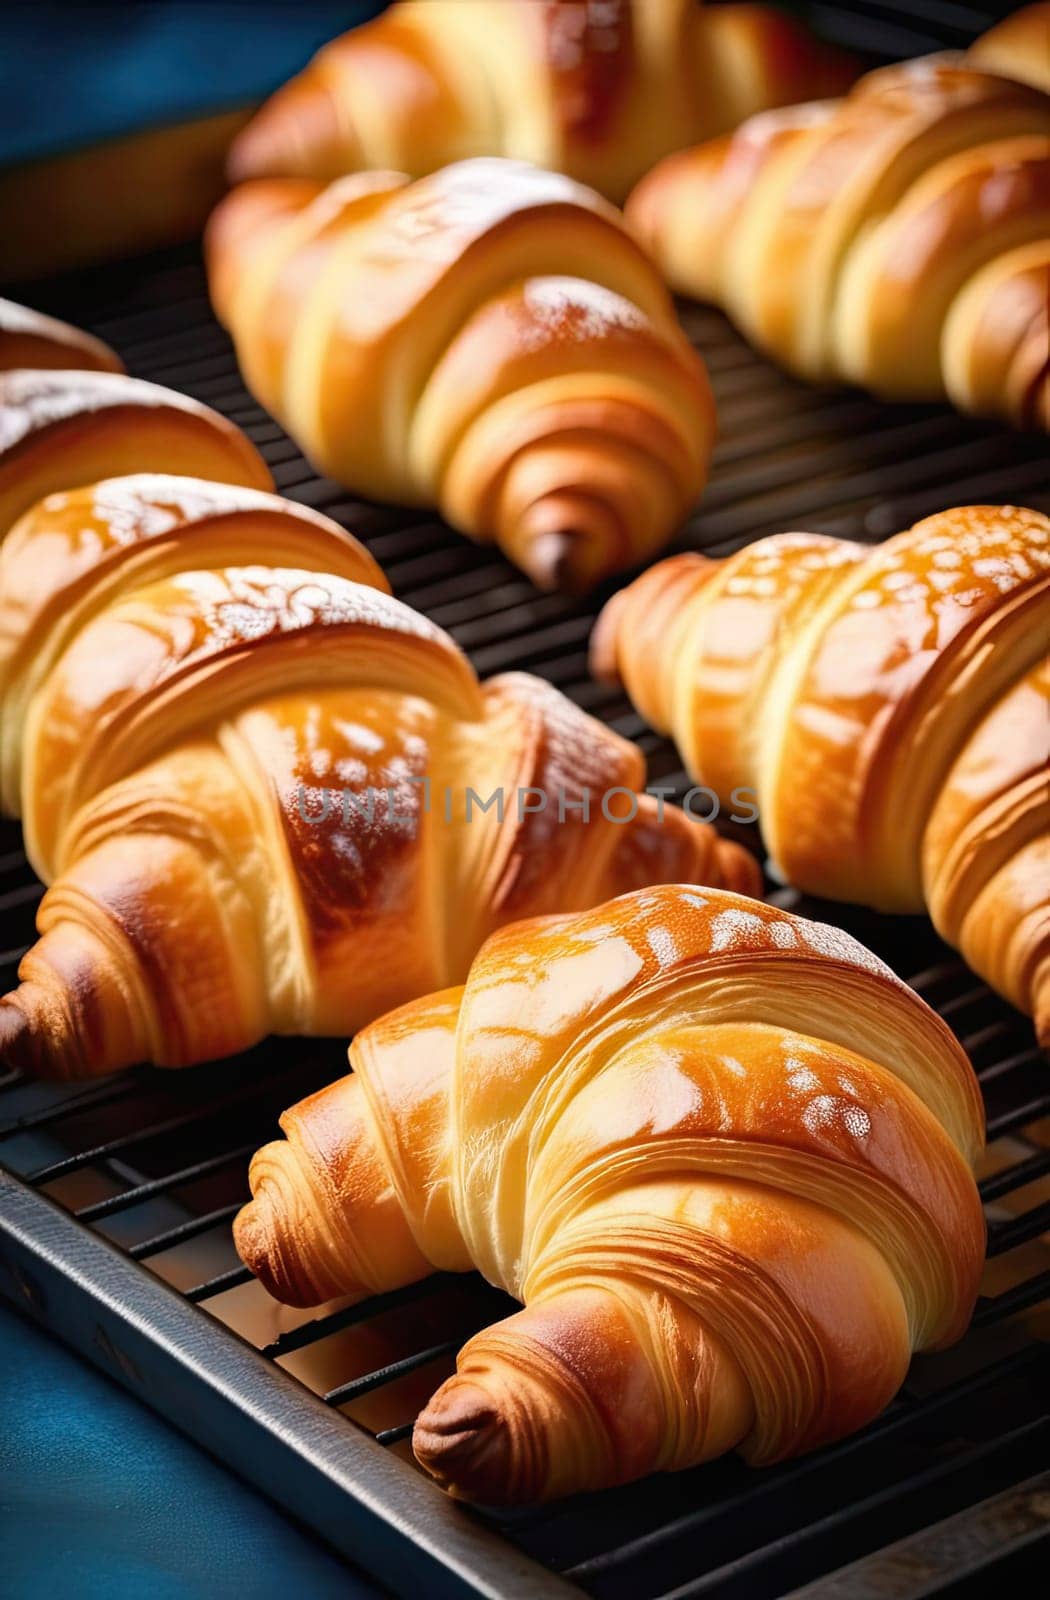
column 488, row 340
column 720, row 1154
column 889, row 706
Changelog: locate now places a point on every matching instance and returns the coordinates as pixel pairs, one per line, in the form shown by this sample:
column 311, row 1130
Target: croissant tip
column 246, row 1236
column 266, row 1239
column 256, row 150
column 298, row 132
column 566, row 539
column 741, row 871
column 605, row 635
column 256, row 1238
column 14, row 1035
column 458, row 1438
column 550, row 561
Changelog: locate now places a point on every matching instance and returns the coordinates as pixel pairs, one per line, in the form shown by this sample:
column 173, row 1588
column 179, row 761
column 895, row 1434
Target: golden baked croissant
column 596, row 91
column 1018, row 46
column 79, row 553
column 29, row 339
column 720, row 1153
column 898, row 239
column 61, row 429
column 890, row 708
column 488, row 340
column 223, row 765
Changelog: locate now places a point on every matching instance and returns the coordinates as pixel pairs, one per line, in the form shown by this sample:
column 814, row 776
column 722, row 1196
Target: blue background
column 73, row 74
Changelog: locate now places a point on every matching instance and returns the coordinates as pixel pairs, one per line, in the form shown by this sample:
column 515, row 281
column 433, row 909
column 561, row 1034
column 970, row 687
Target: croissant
column 596, row 91
column 890, row 708
column 29, row 339
column 488, row 340
column 269, row 798
column 1017, row 47
column 898, row 239
column 78, row 554
column 720, row 1153
column 60, row 429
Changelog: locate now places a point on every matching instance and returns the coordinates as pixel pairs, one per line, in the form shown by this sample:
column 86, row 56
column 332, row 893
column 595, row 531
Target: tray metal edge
column 371, row 1506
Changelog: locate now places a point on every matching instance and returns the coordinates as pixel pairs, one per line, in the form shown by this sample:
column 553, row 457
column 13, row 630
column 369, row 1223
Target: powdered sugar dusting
column 663, row 945
column 964, row 558
column 733, row 928
column 836, row 945
column 575, row 310
column 248, row 602
column 33, row 400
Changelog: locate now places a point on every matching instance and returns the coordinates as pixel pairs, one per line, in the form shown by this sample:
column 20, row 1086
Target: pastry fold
column 488, row 340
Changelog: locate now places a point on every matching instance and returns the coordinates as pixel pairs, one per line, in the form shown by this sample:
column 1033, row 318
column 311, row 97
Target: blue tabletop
column 99, row 1497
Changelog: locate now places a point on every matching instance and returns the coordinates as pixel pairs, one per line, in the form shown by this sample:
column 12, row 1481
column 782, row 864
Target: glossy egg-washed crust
column 599, row 92
column 889, row 705
column 212, row 717
column 898, row 238
column 721, row 1154
column 488, row 340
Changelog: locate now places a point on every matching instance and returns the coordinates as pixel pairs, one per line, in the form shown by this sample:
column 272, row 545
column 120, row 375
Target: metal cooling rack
column 116, row 1197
